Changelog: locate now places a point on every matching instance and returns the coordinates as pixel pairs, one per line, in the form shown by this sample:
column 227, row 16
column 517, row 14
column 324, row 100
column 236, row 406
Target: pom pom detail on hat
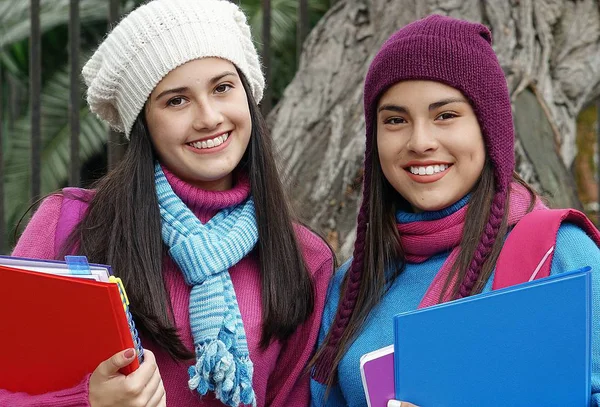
column 156, row 38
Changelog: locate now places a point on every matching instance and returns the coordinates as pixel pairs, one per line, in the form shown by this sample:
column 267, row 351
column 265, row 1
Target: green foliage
column 14, row 70
column 284, row 17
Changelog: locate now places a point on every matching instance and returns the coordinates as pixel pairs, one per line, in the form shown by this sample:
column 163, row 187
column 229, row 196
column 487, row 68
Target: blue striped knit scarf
column 204, row 253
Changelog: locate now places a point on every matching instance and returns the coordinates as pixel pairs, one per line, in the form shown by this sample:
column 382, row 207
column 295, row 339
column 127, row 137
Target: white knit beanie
column 156, row 38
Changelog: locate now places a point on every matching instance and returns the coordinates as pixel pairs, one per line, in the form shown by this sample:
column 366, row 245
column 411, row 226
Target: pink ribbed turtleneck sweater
column 278, row 369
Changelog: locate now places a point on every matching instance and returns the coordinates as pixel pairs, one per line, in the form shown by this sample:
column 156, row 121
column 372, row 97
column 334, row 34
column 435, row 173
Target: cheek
column 478, row 153
column 389, row 149
column 158, row 123
column 241, row 115
column 242, row 121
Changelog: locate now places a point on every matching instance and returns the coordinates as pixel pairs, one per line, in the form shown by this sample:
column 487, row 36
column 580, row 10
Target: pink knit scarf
column 423, row 239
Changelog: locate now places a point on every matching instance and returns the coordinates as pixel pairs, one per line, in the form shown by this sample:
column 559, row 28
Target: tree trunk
column 550, row 53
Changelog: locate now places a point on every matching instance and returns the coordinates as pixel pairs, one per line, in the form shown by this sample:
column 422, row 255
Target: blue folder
column 527, row 345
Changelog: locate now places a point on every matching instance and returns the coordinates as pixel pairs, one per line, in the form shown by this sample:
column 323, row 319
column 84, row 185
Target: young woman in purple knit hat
column 226, row 289
column 439, row 151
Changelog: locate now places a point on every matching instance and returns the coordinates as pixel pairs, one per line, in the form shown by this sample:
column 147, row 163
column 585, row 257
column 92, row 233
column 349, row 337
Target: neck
column 222, row 184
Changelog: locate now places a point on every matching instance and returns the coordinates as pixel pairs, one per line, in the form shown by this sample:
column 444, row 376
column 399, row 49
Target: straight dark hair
column 122, row 228
column 384, row 257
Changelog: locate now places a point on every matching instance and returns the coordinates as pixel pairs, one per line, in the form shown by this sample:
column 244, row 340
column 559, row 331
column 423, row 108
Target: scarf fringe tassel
column 218, row 370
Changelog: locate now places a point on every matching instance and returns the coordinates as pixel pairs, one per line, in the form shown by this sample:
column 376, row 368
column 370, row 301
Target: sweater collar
column 200, row 200
column 408, row 217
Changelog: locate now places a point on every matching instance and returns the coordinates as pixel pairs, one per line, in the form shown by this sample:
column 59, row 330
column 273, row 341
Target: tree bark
column 550, row 53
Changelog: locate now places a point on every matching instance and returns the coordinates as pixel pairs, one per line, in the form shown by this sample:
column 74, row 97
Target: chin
column 431, row 207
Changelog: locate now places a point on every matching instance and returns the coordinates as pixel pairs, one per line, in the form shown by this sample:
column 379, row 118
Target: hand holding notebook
column 143, row 387
column 57, row 314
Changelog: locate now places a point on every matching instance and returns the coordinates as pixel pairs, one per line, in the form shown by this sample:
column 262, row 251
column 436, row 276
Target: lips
column 210, row 142
column 428, row 169
column 427, row 172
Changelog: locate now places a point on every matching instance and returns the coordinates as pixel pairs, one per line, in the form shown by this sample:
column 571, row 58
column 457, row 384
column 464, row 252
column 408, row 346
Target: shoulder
column 570, row 233
column 49, row 210
column 51, row 222
column 574, row 240
column 574, row 249
column 37, row 240
column 317, row 254
column 338, row 278
column 50, row 206
column 563, row 226
column 333, row 297
column 336, row 283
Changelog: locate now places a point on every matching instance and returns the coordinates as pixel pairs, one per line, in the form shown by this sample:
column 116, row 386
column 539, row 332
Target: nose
column 422, row 139
column 208, row 116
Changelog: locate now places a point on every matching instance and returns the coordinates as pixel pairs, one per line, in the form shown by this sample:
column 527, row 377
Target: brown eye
column 223, row 88
column 394, row 120
column 177, row 101
column 447, row 116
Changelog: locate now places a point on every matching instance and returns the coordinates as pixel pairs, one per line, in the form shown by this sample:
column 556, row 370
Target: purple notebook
column 377, row 372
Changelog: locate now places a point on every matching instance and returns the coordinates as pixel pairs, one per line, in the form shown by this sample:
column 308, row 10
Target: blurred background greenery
column 15, row 119
column 55, row 130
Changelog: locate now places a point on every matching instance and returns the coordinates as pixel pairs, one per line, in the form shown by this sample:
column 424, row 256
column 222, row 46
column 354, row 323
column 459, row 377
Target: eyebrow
column 170, row 91
column 444, row 102
column 183, row 89
column 433, row 106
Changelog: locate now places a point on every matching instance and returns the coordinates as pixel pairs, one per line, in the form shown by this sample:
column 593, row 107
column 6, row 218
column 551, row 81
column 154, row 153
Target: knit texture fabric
column 279, row 369
column 204, row 254
column 459, row 54
column 574, row 249
column 421, row 240
column 156, row 38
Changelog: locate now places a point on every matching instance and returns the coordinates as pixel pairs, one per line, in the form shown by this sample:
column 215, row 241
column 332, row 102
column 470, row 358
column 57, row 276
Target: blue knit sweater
column 574, row 249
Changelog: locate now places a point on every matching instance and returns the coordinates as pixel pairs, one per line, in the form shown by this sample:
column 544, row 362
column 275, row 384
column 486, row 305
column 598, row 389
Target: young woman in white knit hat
column 226, row 290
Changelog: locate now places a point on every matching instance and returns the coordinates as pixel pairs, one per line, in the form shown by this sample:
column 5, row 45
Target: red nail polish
column 129, row 353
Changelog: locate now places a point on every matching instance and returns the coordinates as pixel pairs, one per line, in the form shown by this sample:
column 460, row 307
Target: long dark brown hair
column 384, row 258
column 122, row 228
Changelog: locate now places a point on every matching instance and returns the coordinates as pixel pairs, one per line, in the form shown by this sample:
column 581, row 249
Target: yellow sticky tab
column 122, row 291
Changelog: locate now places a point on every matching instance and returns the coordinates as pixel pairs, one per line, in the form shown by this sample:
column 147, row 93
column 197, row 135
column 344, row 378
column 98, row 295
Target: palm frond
column 55, row 147
column 15, row 22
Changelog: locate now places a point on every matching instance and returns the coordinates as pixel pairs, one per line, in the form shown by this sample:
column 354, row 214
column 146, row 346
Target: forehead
column 407, row 93
column 198, row 70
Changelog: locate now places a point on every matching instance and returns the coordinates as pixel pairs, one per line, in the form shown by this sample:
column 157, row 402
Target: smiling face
column 429, row 142
column 199, row 122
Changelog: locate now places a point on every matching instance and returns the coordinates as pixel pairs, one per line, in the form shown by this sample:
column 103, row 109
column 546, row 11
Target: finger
column 152, row 386
column 111, row 366
column 159, row 398
column 398, row 403
column 163, row 400
column 146, row 369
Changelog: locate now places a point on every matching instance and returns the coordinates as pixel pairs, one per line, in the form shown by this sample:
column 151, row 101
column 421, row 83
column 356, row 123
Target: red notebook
column 55, row 329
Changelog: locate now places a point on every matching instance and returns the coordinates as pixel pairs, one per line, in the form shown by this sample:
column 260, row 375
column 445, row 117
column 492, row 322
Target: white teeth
column 428, row 169
column 217, row 141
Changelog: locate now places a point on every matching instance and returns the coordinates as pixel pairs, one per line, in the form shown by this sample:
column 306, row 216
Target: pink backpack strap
column 529, row 248
column 74, row 205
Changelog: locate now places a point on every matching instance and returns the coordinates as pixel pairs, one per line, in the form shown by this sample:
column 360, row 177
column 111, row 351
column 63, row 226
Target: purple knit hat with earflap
column 459, row 54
